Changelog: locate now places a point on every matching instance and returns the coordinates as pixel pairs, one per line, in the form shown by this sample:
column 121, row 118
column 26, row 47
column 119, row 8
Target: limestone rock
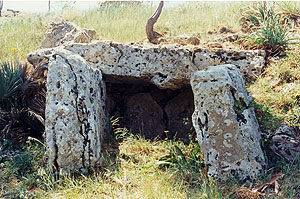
column 76, row 119
column 228, row 38
column 164, row 66
column 186, row 39
column 63, row 32
column 226, row 126
column 144, row 116
column 249, row 62
column 285, row 143
column 179, row 111
column 285, row 130
column 214, row 45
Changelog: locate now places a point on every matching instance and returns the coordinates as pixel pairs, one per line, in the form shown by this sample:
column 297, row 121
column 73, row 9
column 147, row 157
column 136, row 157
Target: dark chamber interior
column 145, row 109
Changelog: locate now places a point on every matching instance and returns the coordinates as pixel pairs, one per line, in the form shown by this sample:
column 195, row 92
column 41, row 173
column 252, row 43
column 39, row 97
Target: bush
column 22, row 102
column 266, row 28
column 22, row 164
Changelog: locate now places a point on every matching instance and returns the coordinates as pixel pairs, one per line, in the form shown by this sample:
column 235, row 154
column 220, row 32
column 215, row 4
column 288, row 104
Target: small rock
column 186, row 39
column 63, row 32
column 285, row 130
column 224, row 29
column 285, row 143
column 214, row 45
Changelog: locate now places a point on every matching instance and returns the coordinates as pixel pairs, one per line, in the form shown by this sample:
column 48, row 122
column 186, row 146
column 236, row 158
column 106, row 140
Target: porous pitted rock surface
column 226, row 126
column 76, row 119
column 75, row 115
column 286, row 143
column 63, row 32
column 165, row 66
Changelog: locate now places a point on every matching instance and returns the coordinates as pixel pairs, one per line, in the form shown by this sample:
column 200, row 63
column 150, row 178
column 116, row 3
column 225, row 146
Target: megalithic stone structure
column 76, row 116
column 226, row 126
column 76, row 119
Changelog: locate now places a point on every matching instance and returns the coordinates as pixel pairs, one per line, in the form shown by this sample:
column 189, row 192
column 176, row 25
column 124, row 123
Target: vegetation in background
column 268, row 29
column 135, row 167
column 279, row 90
column 119, row 22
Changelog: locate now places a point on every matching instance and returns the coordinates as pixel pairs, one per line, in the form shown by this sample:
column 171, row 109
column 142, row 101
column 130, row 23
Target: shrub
column 22, row 101
column 254, row 16
column 22, row 164
column 266, row 28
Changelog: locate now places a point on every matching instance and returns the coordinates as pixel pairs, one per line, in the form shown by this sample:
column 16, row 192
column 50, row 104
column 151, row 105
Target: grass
column 120, row 22
column 131, row 172
column 139, row 168
column 187, row 19
column 266, row 28
column 20, row 36
column 134, row 169
column 279, row 89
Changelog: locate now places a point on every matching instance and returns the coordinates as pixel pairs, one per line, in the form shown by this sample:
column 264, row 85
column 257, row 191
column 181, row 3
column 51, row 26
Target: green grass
column 127, row 22
column 20, row 36
column 120, row 22
column 135, row 169
column 279, row 89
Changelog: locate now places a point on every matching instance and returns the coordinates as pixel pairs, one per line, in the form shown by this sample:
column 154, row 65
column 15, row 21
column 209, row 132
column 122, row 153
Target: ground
column 140, row 168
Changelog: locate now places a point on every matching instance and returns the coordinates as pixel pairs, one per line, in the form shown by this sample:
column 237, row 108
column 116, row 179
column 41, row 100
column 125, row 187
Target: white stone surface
column 76, row 119
column 165, row 66
column 226, row 126
column 63, row 32
column 75, row 115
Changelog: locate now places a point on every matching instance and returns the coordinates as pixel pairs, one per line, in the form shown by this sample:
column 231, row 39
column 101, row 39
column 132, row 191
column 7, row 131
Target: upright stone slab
column 226, row 125
column 75, row 113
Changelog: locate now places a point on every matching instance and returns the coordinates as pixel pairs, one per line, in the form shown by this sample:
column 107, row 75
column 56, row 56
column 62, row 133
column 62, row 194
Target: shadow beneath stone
column 146, row 110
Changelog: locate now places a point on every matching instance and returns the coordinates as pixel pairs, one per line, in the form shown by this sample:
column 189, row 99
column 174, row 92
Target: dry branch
column 151, row 34
column 15, row 12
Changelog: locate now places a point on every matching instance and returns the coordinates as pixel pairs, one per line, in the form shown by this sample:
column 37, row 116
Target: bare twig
column 264, row 185
column 151, row 34
column 15, row 12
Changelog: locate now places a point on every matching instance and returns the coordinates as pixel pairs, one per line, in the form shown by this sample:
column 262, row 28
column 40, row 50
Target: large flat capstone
column 168, row 67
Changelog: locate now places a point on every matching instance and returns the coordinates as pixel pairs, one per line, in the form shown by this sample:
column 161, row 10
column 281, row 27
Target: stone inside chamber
column 146, row 110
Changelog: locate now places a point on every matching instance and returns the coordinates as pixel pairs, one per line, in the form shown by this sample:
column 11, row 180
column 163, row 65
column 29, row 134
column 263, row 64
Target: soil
column 221, row 37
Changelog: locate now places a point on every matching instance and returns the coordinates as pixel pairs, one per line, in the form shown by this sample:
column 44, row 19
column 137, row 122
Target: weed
column 22, row 164
column 277, row 93
column 266, row 30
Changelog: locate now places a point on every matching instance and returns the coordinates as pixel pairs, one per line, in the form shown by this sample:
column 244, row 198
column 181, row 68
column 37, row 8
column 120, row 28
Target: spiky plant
column 266, row 29
column 22, row 102
column 10, row 84
column 254, row 16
